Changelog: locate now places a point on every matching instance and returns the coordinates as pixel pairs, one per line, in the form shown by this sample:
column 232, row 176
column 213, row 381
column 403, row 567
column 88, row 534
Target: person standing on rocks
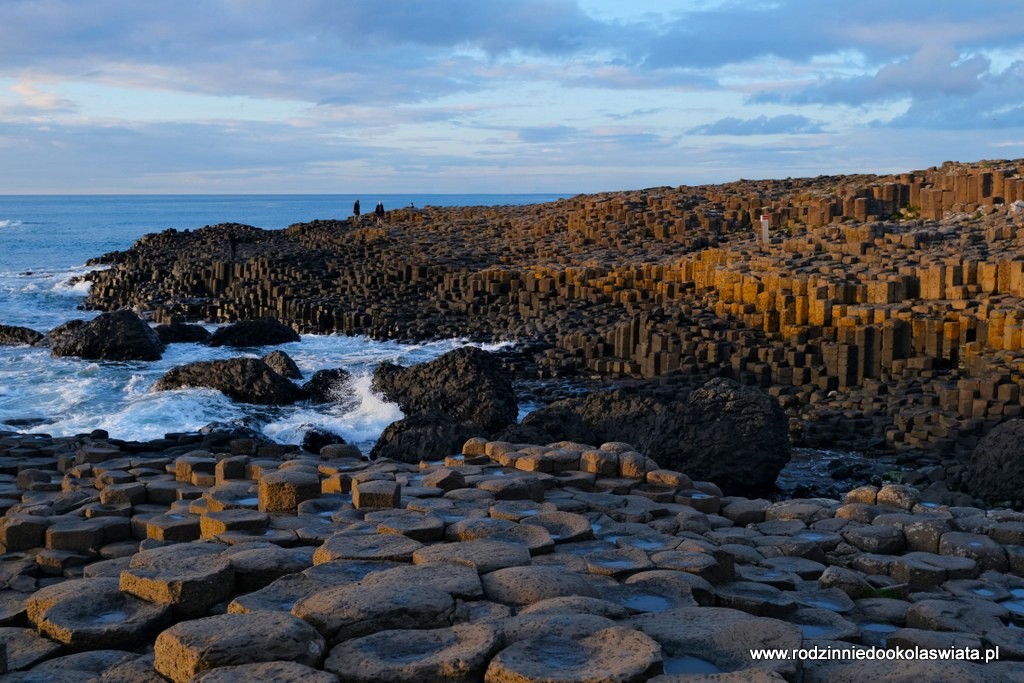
column 355, row 211
column 232, row 244
column 379, row 212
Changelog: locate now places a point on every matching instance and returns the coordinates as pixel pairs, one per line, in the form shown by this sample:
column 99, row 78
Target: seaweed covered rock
column 468, row 384
column 119, row 335
column 248, row 380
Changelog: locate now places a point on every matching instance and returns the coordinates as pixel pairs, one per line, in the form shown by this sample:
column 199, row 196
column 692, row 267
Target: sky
column 497, row 96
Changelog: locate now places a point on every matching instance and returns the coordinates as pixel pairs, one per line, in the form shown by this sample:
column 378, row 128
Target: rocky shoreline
column 217, row 557
column 883, row 312
column 621, row 534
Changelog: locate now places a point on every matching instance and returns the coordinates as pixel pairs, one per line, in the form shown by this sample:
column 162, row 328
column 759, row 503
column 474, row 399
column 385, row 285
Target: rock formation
column 11, row 335
column 467, row 384
column 261, row 332
column 248, row 380
column 120, row 335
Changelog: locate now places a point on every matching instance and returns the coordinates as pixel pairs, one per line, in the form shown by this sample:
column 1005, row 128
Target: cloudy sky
column 455, row 96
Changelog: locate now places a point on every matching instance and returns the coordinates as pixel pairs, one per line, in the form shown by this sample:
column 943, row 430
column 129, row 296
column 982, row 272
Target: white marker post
column 765, row 224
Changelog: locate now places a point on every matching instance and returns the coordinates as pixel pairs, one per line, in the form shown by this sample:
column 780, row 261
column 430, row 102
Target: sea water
column 45, row 242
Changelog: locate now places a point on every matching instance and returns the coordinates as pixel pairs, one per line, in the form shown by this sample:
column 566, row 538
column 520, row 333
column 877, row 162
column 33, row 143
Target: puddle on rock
column 647, row 602
column 815, row 630
column 111, row 617
column 689, row 665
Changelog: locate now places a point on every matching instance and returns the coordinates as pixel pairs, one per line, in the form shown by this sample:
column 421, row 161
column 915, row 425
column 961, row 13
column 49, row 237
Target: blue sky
column 355, row 96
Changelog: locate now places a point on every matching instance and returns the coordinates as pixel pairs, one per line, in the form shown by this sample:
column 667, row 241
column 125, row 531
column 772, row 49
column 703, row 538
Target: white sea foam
column 9, row 223
column 80, row 288
column 359, row 417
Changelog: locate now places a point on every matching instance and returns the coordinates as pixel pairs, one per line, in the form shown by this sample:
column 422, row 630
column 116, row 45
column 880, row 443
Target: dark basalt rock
column 262, row 332
column 326, row 386
column 468, row 384
column 426, row 435
column 725, row 432
column 248, row 380
column 11, row 335
column 120, row 335
column 734, row 435
column 317, row 438
column 556, row 422
column 281, row 363
column 178, row 333
column 996, row 471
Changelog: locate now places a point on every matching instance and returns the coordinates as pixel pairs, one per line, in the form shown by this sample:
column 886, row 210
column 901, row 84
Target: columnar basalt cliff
column 885, row 309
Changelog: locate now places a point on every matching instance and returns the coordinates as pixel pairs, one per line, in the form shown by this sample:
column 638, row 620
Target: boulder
column 734, row 435
column 996, row 471
column 426, row 435
column 248, row 380
column 317, row 438
column 468, row 384
column 556, row 422
column 181, row 333
column 119, row 335
column 17, row 336
column 262, row 332
column 326, row 386
column 281, row 363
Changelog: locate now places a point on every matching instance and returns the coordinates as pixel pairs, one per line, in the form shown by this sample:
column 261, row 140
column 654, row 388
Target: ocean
column 46, row 240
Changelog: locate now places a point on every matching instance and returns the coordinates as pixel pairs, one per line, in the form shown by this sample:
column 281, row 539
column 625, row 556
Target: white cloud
column 518, row 92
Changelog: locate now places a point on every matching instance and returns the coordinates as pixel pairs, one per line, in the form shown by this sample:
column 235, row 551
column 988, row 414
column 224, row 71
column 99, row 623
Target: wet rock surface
column 595, row 566
column 119, row 335
column 11, row 335
column 248, row 380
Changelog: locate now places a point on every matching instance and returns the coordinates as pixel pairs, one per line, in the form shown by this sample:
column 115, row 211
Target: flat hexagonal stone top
column 529, row 584
column 615, row 654
column 419, row 526
column 379, row 547
column 191, row 581
column 94, row 614
column 484, row 555
column 457, row 580
column 457, row 654
column 721, row 636
column 564, row 527
column 190, row 647
column 356, row 610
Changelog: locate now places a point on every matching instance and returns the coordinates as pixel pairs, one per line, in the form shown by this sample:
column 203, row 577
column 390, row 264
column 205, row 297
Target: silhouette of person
column 355, row 210
column 379, row 212
column 232, row 242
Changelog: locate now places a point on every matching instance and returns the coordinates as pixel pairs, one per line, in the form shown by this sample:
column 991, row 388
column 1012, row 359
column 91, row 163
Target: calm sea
column 45, row 241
